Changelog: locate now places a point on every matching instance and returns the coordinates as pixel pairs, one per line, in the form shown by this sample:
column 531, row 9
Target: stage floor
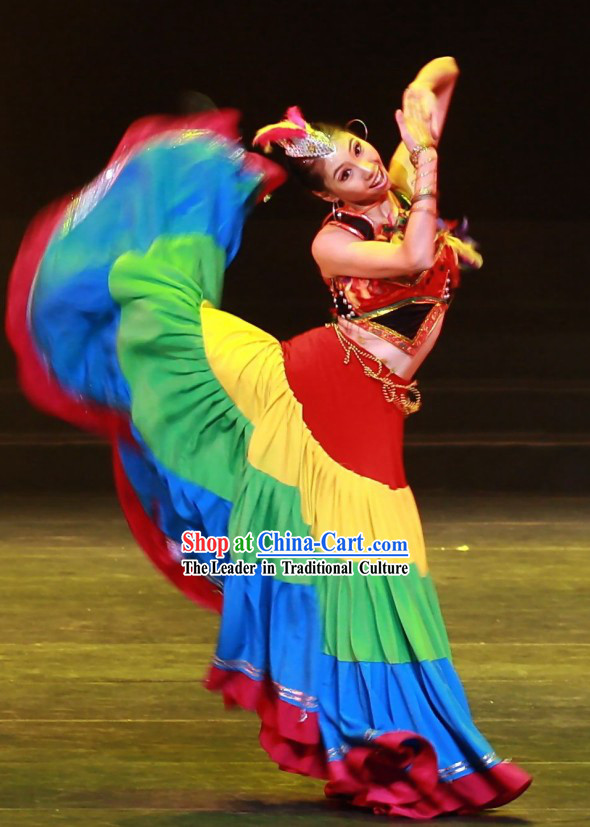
column 104, row 721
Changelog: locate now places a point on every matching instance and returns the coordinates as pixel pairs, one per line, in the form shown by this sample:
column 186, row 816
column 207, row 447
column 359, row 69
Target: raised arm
column 430, row 94
column 336, row 253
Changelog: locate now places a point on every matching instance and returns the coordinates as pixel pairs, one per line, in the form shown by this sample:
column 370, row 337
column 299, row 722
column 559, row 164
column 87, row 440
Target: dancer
column 218, row 428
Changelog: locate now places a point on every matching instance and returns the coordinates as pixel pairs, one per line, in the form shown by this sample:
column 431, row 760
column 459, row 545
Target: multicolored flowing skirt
column 219, row 428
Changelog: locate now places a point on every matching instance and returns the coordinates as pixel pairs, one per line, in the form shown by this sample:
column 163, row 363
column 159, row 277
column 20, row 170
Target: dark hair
column 307, row 172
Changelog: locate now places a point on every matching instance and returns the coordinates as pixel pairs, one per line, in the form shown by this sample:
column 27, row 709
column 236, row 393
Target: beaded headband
column 296, row 136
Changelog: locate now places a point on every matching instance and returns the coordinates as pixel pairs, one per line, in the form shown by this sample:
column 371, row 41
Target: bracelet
column 424, row 163
column 422, row 195
column 416, row 152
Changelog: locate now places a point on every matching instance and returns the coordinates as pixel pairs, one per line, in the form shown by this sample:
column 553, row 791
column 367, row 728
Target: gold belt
column 406, row 398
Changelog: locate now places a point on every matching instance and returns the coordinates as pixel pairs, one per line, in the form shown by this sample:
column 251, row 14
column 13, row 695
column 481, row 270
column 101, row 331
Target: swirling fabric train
column 216, row 426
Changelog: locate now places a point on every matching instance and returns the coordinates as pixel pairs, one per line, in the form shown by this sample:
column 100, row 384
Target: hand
column 418, row 123
column 414, row 131
column 419, row 102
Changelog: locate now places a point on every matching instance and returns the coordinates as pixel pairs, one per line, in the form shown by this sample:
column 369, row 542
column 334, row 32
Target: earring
column 358, row 120
column 334, row 208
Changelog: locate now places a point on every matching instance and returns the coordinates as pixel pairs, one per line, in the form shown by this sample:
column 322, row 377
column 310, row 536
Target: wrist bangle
column 430, row 159
column 425, row 193
column 426, row 174
column 415, row 153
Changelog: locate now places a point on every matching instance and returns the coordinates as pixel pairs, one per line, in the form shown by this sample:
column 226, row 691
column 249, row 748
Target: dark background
column 513, row 363
column 75, row 75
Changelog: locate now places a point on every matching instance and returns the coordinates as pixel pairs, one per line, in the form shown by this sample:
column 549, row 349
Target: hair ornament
column 364, row 125
column 296, row 136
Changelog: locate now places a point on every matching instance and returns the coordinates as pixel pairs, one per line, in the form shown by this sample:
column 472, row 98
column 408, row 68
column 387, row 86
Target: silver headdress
column 296, row 136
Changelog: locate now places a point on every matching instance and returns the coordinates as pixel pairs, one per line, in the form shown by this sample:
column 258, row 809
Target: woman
column 219, row 428
column 372, row 280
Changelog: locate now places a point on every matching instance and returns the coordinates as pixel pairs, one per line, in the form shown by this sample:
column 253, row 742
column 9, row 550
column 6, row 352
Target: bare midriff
column 402, row 364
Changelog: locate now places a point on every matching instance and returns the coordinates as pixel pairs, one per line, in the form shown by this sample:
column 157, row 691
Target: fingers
column 412, row 113
column 419, row 106
column 415, row 130
column 434, row 128
column 416, row 105
column 399, row 117
column 411, row 105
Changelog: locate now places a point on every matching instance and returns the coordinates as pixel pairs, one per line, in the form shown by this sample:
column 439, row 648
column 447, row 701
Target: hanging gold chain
column 407, row 398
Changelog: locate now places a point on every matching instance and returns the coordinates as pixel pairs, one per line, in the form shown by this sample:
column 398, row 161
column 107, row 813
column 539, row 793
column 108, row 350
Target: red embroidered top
column 406, row 307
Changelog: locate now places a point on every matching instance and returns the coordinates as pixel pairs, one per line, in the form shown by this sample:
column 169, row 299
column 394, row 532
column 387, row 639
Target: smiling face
column 355, row 173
